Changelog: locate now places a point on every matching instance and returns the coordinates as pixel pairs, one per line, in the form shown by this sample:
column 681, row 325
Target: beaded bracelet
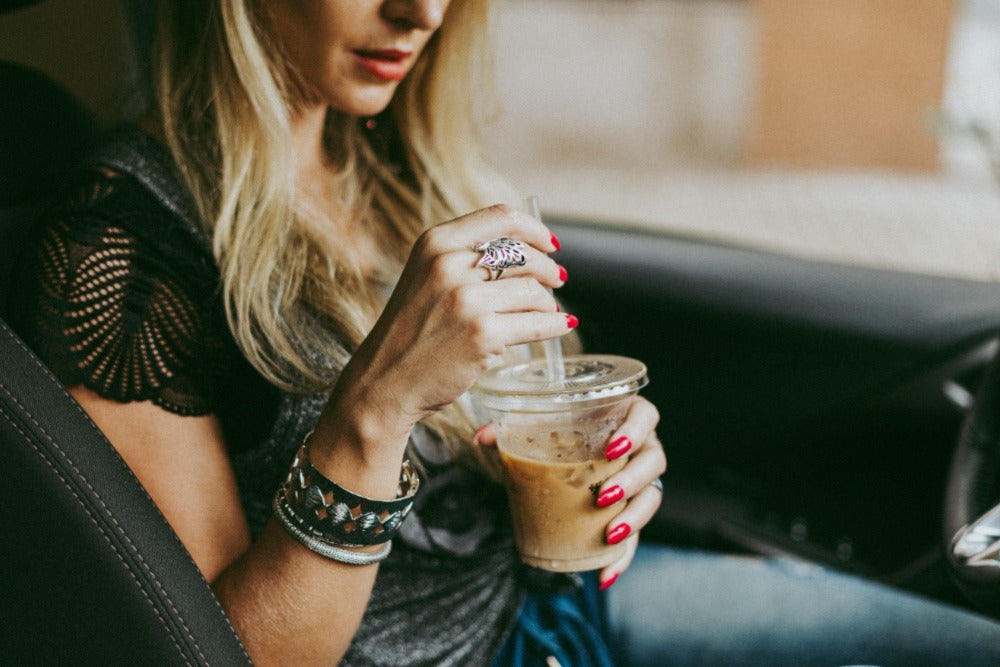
column 331, row 551
column 320, row 508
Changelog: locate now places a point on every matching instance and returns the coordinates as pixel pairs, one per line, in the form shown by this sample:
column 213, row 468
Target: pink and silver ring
column 500, row 254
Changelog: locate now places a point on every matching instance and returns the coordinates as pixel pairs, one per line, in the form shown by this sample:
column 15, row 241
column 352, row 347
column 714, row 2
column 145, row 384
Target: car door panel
column 803, row 403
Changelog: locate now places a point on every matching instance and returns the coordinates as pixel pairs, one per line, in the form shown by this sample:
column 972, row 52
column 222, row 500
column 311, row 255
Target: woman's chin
column 364, row 103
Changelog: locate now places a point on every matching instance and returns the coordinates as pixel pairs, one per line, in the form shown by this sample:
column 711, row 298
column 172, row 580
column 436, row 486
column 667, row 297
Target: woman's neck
column 315, row 181
column 307, row 142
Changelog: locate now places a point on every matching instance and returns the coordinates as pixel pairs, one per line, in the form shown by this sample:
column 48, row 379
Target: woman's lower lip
column 390, row 70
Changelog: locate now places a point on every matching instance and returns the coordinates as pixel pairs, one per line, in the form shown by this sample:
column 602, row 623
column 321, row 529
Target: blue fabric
column 566, row 626
column 690, row 608
column 681, row 607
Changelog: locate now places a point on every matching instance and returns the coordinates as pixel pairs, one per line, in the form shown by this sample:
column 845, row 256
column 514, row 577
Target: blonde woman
column 267, row 263
column 272, row 278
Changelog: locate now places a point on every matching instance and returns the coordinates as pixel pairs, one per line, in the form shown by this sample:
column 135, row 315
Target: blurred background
column 832, row 129
column 810, row 127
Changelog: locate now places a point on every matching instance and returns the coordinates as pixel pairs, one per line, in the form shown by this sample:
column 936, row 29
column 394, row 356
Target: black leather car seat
column 90, row 571
column 42, row 130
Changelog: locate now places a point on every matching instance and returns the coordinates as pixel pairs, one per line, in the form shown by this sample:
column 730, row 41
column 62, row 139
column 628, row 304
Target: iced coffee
column 551, row 438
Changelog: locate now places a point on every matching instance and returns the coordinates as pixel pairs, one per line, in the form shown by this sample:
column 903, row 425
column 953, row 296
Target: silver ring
column 500, row 254
column 657, row 484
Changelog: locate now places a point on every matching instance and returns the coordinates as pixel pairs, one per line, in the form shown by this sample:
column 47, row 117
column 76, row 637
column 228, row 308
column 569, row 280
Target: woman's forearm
column 293, row 606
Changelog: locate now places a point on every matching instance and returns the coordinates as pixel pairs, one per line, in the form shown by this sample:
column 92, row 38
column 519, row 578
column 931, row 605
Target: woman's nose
column 420, row 14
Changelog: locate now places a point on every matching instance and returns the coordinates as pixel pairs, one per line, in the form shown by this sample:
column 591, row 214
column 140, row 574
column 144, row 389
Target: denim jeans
column 678, row 607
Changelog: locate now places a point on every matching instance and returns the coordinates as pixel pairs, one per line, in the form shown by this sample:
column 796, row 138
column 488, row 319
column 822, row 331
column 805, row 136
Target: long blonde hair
column 224, row 97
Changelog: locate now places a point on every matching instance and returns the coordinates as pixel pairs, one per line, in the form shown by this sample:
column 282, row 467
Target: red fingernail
column 555, row 241
column 563, row 274
column 617, row 447
column 619, row 533
column 572, row 321
column 610, row 496
column 479, row 432
column 606, row 584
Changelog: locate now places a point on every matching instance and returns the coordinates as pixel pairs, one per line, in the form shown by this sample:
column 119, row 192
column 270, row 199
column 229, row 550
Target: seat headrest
column 11, row 5
column 43, row 130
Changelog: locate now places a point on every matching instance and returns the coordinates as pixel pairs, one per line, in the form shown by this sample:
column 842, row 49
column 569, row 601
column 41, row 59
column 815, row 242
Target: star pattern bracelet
column 323, row 510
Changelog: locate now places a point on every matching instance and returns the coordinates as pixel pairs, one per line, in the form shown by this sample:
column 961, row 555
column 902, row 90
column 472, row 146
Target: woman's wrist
column 360, row 446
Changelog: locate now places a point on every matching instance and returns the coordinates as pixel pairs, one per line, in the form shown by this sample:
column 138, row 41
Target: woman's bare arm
column 444, row 324
column 288, row 605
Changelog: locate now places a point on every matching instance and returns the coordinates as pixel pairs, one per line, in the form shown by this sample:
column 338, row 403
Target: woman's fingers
column 609, row 573
column 533, row 327
column 514, row 295
column 537, row 265
column 646, row 464
column 635, row 484
column 636, row 437
column 461, row 267
column 511, row 295
column 510, row 312
column 636, row 514
column 625, row 528
column 486, row 225
column 485, row 435
column 639, row 424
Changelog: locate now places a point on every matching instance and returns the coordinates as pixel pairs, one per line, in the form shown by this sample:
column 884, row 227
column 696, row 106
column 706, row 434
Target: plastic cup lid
column 588, row 378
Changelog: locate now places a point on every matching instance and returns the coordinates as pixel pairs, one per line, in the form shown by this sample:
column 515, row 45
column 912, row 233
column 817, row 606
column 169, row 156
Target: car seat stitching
column 114, row 520
column 111, row 516
column 104, row 534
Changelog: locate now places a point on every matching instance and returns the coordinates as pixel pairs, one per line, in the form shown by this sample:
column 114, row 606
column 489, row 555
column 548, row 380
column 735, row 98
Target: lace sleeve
column 107, row 307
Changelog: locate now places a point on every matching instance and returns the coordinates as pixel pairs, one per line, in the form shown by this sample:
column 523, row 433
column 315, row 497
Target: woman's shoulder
column 115, row 290
column 130, row 180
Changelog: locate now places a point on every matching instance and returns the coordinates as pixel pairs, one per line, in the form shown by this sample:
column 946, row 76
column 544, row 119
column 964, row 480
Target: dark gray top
column 119, row 292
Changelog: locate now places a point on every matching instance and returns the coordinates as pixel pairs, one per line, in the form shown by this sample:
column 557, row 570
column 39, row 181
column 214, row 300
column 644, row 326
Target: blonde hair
column 225, row 106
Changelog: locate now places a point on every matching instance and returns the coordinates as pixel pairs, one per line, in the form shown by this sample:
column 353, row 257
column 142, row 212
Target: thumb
column 485, row 435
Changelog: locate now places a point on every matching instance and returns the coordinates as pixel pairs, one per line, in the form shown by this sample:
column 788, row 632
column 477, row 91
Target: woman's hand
column 632, row 487
column 447, row 321
column 633, row 484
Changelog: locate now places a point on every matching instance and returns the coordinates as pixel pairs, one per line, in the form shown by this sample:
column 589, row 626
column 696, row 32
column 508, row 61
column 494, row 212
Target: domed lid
column 589, row 378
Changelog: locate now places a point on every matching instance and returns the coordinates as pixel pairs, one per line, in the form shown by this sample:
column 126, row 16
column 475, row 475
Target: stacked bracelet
column 322, row 547
column 325, row 517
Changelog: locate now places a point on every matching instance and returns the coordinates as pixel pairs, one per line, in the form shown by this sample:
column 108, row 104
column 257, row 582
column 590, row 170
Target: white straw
column 554, row 368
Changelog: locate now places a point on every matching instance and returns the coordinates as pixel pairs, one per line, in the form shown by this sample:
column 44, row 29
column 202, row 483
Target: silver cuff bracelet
column 324, row 510
column 325, row 549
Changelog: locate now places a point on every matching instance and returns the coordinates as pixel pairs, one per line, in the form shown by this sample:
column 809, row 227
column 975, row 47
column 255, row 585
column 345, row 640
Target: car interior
column 841, row 414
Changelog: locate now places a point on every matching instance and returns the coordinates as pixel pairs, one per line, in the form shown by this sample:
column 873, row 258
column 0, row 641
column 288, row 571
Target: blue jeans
column 677, row 607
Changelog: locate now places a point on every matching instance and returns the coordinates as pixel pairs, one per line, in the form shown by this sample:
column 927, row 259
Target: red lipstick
column 386, row 64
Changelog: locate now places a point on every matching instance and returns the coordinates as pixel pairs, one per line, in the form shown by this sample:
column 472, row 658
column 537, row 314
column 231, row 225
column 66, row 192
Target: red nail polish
column 610, row 496
column 618, row 447
column 619, row 533
column 555, row 241
column 572, row 321
column 563, row 274
column 606, row 584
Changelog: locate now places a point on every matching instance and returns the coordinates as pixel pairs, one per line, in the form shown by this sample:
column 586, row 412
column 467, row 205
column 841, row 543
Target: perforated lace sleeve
column 111, row 302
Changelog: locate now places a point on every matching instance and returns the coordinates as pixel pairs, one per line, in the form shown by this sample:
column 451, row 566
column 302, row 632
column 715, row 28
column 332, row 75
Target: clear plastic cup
column 551, row 436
